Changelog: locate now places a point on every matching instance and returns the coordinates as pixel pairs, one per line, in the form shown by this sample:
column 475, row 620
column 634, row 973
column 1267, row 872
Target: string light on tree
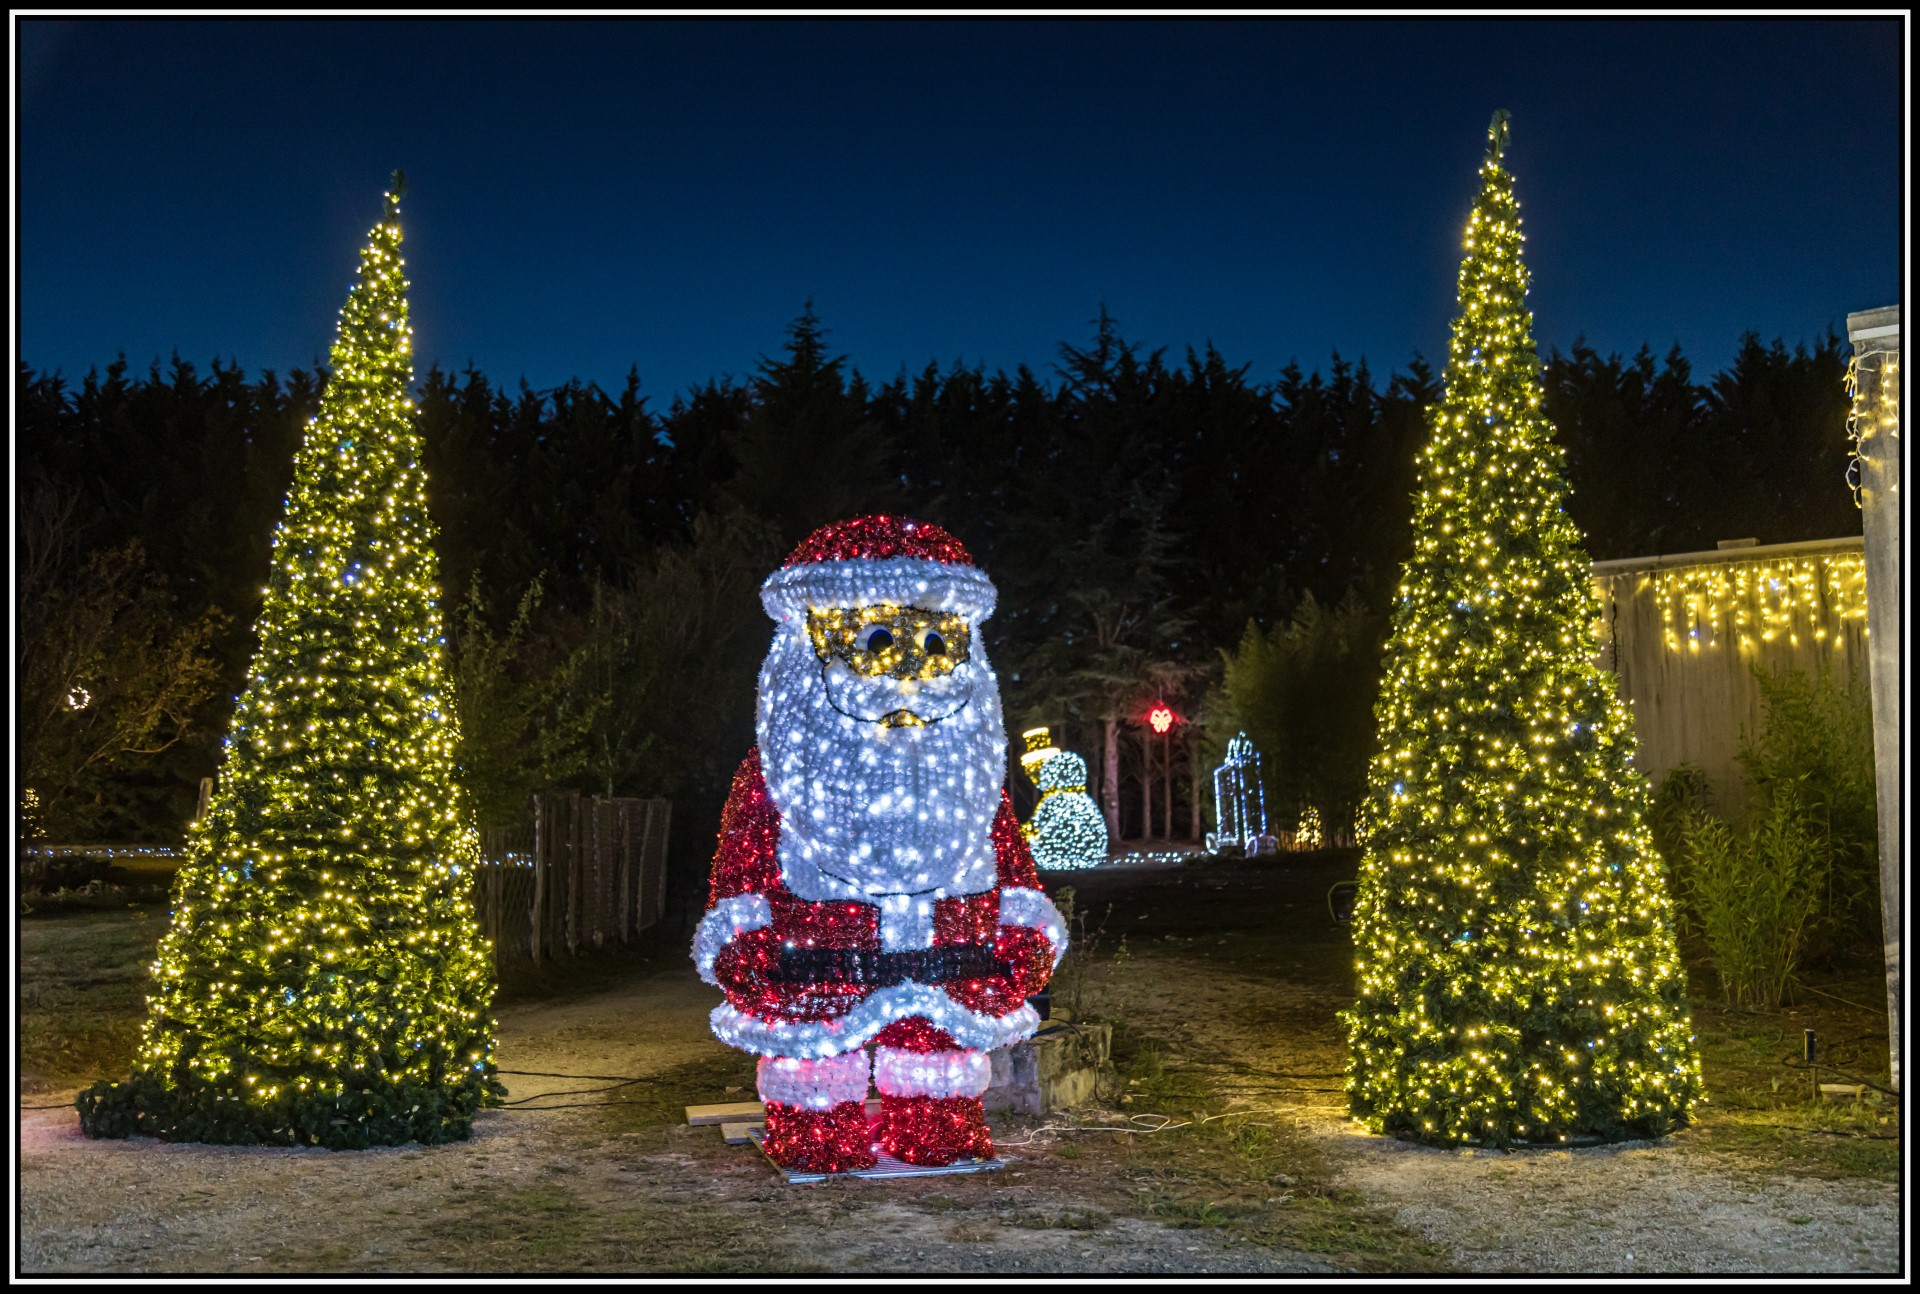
column 1309, row 835
column 323, row 981
column 1518, row 976
column 1160, row 719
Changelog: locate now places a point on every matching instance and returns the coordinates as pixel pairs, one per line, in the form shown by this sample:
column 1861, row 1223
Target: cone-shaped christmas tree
column 1518, row 977
column 323, row 981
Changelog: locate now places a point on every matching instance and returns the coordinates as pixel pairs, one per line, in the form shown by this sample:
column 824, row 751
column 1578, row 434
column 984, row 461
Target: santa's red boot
column 930, row 1110
column 817, row 1113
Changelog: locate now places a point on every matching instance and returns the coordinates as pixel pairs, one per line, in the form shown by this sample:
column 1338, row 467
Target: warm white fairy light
column 323, row 980
column 1742, row 604
column 1518, row 976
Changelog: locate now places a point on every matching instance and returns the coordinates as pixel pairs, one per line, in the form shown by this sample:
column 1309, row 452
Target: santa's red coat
column 826, row 1016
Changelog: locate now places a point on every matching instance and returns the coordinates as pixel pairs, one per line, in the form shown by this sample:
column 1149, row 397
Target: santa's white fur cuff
column 1020, row 906
column 726, row 920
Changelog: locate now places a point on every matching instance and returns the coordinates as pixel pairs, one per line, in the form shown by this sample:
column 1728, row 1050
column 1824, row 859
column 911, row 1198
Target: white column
column 1876, row 346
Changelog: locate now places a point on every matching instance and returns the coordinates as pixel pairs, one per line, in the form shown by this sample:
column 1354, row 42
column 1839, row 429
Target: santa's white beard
column 896, row 816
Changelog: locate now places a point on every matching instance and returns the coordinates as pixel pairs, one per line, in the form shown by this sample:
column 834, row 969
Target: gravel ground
column 561, row 1190
column 622, row 1185
column 1631, row 1207
column 1671, row 1207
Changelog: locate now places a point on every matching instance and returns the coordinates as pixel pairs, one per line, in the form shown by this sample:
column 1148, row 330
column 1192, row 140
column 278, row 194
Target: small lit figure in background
column 1066, row 830
column 1240, row 803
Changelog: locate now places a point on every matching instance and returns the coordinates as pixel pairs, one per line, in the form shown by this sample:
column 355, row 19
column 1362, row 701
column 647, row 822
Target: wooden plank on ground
column 734, row 1112
column 739, row 1134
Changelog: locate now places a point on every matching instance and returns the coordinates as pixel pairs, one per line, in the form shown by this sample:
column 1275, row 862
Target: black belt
column 879, row 970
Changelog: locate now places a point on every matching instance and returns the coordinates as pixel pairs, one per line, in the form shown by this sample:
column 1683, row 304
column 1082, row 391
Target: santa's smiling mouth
column 900, row 716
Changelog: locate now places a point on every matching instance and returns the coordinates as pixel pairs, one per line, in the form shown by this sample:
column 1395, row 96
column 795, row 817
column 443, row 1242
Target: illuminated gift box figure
column 1240, row 802
column 871, row 892
column 1066, row 830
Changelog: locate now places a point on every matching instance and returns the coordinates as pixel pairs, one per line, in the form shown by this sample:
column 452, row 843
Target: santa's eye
column 932, row 643
column 874, row 638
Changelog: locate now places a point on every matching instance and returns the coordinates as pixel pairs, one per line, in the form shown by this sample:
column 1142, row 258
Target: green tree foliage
column 1303, row 692
column 1754, row 896
column 1175, row 499
column 1815, row 748
column 525, row 709
column 111, row 678
column 323, row 981
column 802, row 405
column 1518, row 973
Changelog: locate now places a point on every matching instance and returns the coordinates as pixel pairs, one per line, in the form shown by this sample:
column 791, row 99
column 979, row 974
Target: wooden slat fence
column 587, row 872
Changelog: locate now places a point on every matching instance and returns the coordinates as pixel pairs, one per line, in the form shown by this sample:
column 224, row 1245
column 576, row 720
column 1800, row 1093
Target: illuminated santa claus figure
column 874, row 909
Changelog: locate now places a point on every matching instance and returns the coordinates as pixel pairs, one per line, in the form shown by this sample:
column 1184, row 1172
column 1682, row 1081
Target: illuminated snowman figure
column 874, row 910
column 1066, row 829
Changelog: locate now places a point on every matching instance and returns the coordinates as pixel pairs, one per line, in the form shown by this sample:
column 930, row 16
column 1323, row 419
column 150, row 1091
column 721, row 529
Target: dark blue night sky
column 588, row 196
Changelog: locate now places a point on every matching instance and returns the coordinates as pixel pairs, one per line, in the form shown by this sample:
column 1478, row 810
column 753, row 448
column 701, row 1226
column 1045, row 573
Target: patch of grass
column 1760, row 1109
column 1069, row 1219
column 83, row 993
column 1830, row 1142
column 1197, row 1213
column 502, row 1226
column 1224, row 1170
column 551, row 1227
column 661, row 1102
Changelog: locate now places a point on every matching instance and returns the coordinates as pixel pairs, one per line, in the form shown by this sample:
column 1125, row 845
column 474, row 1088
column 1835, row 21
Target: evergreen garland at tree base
column 216, row 1114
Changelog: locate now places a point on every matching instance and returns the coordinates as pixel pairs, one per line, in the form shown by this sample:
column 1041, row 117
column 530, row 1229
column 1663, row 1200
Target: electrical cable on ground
column 1792, row 1062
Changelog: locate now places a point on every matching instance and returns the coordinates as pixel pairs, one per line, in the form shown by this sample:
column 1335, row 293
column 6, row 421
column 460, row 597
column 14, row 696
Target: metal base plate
column 887, row 1167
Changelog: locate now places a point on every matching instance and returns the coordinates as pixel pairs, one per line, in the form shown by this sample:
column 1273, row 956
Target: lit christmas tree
column 1518, row 977
column 324, row 981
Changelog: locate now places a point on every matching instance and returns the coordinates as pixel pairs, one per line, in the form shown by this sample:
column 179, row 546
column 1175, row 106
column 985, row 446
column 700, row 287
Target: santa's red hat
column 878, row 559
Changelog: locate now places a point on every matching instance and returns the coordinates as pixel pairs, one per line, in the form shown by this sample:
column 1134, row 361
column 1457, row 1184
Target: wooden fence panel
column 585, row 873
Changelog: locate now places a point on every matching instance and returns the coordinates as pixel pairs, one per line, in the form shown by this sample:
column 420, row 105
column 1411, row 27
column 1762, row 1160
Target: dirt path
column 603, row 1188
column 1228, row 996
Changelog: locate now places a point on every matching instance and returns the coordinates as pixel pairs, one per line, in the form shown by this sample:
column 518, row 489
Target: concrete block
column 1064, row 1065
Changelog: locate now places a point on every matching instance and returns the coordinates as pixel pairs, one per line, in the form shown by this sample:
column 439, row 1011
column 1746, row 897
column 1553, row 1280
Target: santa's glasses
column 890, row 642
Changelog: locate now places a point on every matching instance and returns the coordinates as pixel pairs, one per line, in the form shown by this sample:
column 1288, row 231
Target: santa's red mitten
column 755, row 970
column 1028, row 958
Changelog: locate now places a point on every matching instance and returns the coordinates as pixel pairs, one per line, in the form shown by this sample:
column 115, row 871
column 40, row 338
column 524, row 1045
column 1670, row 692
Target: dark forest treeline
column 600, row 557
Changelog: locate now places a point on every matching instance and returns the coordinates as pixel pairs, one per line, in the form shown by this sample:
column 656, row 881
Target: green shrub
column 1799, row 880
column 1303, row 691
column 1753, row 897
column 70, row 873
column 1682, row 795
column 1816, row 742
